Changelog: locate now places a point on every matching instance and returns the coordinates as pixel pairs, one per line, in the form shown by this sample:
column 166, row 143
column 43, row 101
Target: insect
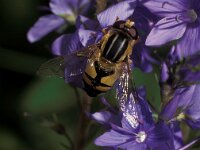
column 103, row 63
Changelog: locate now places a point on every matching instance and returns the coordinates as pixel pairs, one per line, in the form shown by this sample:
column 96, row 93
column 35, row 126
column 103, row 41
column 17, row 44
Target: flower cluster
column 162, row 24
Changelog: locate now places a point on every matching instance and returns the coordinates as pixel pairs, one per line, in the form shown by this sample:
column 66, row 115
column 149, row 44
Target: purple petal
column 131, row 114
column 164, row 72
column 74, row 68
column 177, row 133
column 69, row 7
column 144, row 20
column 187, row 99
column 112, row 138
column 158, row 135
column 190, row 71
column 181, row 100
column 122, row 10
column 43, row 26
column 165, row 30
column 87, row 37
column 106, row 118
column 87, row 24
column 185, row 96
column 126, row 123
column 169, row 110
column 61, row 7
column 189, row 44
column 137, row 112
column 120, row 129
column 66, row 44
column 194, row 106
column 132, row 145
column 173, row 56
column 142, row 58
column 166, row 146
column 193, row 123
column 166, row 7
column 146, row 114
column 142, row 91
column 102, row 116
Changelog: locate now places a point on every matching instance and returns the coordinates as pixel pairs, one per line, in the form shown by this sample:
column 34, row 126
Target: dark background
column 22, row 91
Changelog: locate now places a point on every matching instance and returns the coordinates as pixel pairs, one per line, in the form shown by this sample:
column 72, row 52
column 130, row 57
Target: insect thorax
column 115, row 46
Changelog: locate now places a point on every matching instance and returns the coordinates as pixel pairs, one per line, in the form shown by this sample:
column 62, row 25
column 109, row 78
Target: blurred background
column 22, row 92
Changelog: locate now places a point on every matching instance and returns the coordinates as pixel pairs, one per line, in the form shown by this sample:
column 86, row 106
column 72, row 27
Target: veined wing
column 127, row 99
column 53, row 67
column 69, row 65
column 122, row 88
column 125, row 86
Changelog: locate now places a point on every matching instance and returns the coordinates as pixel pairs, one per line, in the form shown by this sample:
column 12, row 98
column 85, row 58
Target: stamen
column 141, row 137
column 180, row 117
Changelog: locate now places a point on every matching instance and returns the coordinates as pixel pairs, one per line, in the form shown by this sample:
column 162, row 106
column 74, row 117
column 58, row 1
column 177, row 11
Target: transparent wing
column 53, row 67
column 122, row 88
column 125, row 86
column 127, row 98
column 69, row 65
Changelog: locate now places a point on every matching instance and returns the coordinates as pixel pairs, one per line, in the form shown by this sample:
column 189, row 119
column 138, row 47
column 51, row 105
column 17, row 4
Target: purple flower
column 184, row 107
column 180, row 21
column 143, row 19
column 113, row 115
column 135, row 128
column 64, row 12
column 180, row 72
column 190, row 71
column 84, row 36
column 177, row 135
column 89, row 31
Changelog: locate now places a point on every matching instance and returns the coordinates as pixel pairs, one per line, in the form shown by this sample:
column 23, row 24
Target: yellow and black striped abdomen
column 97, row 79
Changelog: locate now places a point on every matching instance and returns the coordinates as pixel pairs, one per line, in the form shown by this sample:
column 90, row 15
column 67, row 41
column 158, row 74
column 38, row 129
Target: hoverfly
column 100, row 65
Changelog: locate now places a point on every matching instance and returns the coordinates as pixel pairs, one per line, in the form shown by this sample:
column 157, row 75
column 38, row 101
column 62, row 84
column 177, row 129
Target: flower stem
column 83, row 124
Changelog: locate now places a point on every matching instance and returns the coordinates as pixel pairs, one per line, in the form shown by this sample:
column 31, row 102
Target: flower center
column 70, row 18
column 141, row 137
column 189, row 16
column 192, row 15
column 180, row 117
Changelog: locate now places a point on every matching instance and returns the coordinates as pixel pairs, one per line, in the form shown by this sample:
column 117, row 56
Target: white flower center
column 192, row 15
column 141, row 137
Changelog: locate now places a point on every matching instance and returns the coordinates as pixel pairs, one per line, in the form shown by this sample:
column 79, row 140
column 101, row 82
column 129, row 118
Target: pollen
column 141, row 137
column 181, row 116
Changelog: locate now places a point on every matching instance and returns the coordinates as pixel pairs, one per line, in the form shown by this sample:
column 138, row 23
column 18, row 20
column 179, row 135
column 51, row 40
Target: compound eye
column 133, row 32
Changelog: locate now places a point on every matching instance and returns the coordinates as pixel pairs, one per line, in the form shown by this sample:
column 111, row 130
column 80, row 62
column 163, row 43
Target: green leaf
column 10, row 141
column 150, row 82
column 47, row 96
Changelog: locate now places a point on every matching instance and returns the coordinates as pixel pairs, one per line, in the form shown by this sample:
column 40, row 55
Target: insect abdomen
column 97, row 80
column 115, row 47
